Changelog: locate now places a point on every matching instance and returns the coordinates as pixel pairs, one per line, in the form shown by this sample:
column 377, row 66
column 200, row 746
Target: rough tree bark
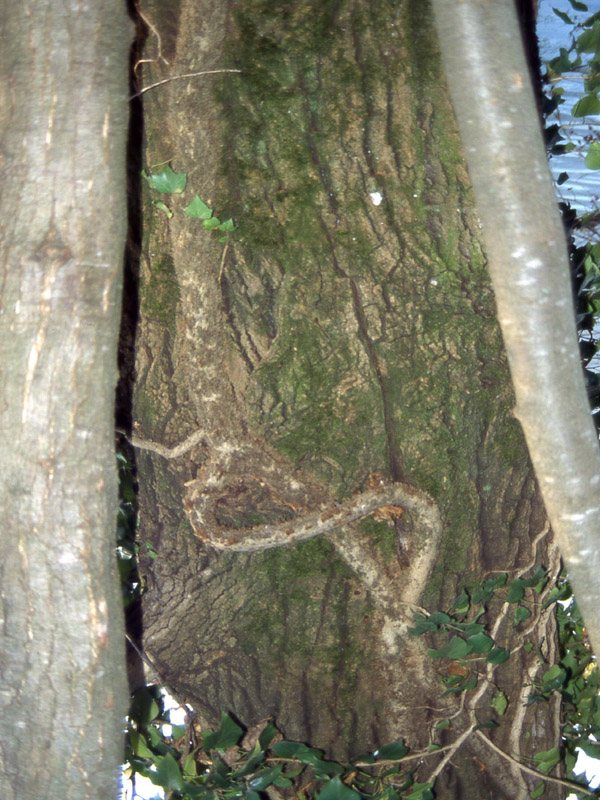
column 335, row 348
column 63, row 124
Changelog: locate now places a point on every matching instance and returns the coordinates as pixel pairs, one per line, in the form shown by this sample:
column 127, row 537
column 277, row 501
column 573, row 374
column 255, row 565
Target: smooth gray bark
column 63, row 122
column 526, row 248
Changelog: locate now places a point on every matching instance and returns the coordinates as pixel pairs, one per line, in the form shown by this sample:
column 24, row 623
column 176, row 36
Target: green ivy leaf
column 198, row 210
column 267, row 736
column 422, row 625
column 190, row 768
column 144, row 707
column 489, row 724
column 177, row 731
column 456, row 650
column 211, row 224
column 462, row 603
column 546, row 760
column 392, row 751
column 538, row 791
column 592, row 159
column 587, row 106
column 336, row 790
column 294, row 750
column 500, row 703
column 227, row 225
column 138, row 745
column 486, row 592
column 480, row 643
column 265, row 778
column 167, row 181
column 228, row 734
column 420, row 791
column 168, row 775
column 521, row 613
column 554, row 678
column 470, row 628
column 589, row 40
column 497, row 655
column 565, row 17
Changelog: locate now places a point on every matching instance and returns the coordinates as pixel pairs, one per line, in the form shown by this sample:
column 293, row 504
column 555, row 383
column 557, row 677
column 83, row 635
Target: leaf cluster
column 230, row 763
column 169, row 182
column 470, row 640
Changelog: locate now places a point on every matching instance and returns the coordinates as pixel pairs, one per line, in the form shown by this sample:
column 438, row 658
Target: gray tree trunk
column 334, row 343
column 529, row 265
column 63, row 123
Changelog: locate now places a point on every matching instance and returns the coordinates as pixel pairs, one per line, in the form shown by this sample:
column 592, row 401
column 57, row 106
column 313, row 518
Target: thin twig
column 456, row 745
column 178, row 77
column 561, row 781
column 169, row 453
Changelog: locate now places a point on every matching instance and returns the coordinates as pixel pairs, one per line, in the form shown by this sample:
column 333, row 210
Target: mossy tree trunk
column 344, row 337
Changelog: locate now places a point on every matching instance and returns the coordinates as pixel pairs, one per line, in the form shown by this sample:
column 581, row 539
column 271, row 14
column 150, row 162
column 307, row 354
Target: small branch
column 577, row 787
column 456, row 745
column 178, row 77
column 169, row 453
column 324, row 520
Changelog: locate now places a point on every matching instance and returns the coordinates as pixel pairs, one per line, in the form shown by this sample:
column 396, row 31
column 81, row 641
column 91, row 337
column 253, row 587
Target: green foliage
column 127, row 524
column 169, row 182
column 231, row 763
column 583, row 59
column 585, row 41
column 471, row 640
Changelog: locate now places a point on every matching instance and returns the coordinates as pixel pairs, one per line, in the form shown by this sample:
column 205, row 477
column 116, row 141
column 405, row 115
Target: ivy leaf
column 546, row 760
column 565, row 17
column 456, row 650
column 462, row 603
column 167, row 181
column 211, row 224
column 144, row 707
column 392, row 751
column 296, row 750
column 422, row 625
column 267, row 736
column 266, row 778
column 500, row 703
column 554, row 678
column 190, row 768
column 227, row 225
column 198, row 210
column 480, row 643
column 589, row 40
column 138, row 745
column 538, row 791
column 587, row 106
column 489, row 724
column 420, row 791
column 336, row 790
column 592, row 159
column 497, row 655
column 168, row 775
column 521, row 613
column 228, row 734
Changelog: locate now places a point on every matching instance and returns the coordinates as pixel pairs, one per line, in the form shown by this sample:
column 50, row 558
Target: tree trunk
column 343, row 343
column 63, row 123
